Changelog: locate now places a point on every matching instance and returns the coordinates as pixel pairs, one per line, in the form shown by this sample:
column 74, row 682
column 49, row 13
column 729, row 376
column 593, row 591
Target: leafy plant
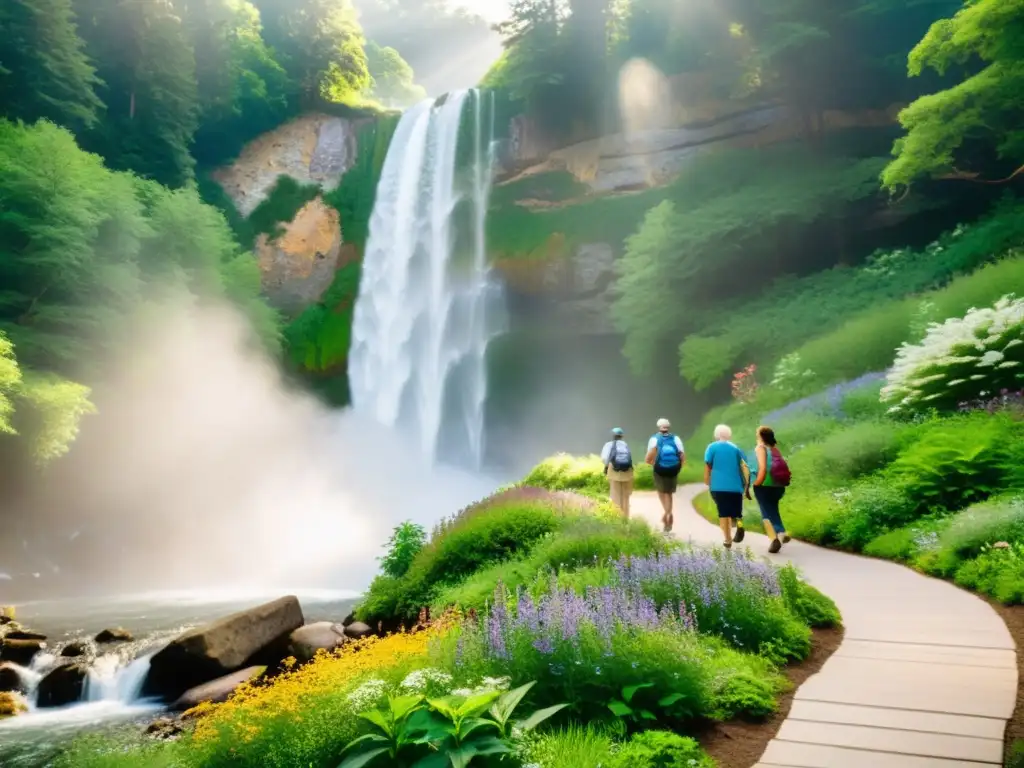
column 638, row 713
column 396, row 731
column 661, row 749
column 405, row 543
column 997, row 571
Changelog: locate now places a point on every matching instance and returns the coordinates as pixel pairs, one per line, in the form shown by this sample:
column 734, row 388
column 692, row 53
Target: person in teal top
column 727, row 475
column 768, row 494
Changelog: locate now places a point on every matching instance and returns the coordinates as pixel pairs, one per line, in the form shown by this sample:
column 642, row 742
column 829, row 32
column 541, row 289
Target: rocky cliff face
column 668, row 123
column 312, row 149
column 298, row 263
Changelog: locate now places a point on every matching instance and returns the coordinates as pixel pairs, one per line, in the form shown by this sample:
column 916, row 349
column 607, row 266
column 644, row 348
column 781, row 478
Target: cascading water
column 425, row 313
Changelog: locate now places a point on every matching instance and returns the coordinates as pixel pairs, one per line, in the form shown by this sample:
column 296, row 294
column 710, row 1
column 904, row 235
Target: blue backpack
column 667, row 461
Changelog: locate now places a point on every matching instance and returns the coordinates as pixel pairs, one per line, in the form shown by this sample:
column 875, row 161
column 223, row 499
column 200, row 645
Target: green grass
column 583, row 474
column 823, row 317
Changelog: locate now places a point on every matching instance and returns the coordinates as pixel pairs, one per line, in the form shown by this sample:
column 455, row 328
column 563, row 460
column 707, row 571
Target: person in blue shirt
column 727, row 474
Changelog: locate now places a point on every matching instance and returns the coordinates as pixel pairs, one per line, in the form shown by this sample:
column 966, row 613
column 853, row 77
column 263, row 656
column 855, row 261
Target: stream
column 112, row 692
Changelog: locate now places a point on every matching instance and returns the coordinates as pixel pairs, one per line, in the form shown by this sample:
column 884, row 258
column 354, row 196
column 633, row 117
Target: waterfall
column 110, row 679
column 427, row 305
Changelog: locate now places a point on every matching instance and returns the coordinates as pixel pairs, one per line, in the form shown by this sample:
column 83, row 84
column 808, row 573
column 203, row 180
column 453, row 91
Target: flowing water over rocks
column 114, row 673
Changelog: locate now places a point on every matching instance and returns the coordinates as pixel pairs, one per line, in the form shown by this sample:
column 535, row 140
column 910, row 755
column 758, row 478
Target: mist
column 204, row 468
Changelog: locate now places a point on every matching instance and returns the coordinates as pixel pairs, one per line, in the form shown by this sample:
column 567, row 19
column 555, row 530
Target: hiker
column 618, row 466
column 771, row 476
column 665, row 454
column 727, row 475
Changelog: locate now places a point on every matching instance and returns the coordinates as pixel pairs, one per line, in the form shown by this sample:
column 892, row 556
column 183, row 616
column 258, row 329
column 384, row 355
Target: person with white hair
column 727, row 474
column 618, row 467
column 665, row 454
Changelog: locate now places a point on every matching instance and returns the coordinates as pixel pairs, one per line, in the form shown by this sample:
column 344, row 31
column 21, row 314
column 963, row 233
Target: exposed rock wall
column 573, row 294
column 313, row 148
column 299, row 264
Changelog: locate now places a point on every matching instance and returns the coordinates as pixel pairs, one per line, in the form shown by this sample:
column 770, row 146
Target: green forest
column 112, row 116
column 116, row 113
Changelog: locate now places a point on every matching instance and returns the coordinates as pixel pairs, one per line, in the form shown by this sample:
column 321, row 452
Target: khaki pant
column 620, row 485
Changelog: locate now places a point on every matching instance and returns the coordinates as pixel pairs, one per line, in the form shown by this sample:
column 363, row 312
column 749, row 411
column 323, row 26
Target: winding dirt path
column 926, row 675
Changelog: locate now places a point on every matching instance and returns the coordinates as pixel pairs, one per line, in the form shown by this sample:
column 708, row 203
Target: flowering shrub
column 831, row 402
column 965, row 535
column 790, row 374
column 960, row 360
column 735, row 597
column 585, row 649
column 744, row 385
column 558, row 500
column 997, row 571
column 1004, row 401
column 306, row 715
column 470, row 543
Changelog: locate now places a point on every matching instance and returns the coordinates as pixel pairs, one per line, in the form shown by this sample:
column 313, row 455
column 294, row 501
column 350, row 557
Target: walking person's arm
column 652, row 451
column 682, row 453
column 762, row 465
column 707, row 467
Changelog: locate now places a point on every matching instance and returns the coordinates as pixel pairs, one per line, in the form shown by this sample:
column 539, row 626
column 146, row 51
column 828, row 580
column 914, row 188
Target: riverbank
column 626, row 641
column 110, row 697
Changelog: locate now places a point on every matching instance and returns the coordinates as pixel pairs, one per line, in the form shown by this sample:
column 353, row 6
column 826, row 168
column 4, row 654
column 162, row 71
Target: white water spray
column 425, row 314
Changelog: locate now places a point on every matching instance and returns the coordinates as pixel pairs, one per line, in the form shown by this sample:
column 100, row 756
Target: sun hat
column 618, row 431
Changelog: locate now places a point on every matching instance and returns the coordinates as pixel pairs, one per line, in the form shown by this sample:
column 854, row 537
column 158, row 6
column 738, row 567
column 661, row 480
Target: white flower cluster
column 962, row 359
column 423, row 680
column 367, row 695
column 485, row 685
column 789, row 372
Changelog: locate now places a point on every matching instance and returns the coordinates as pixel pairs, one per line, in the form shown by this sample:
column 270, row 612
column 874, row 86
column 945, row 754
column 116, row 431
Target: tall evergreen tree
column 44, row 70
column 143, row 55
column 320, row 44
column 242, row 89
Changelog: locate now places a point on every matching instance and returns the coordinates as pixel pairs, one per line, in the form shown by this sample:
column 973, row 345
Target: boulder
column 62, row 686
column 165, row 728
column 304, row 642
column 21, row 634
column 217, row 690
column 357, row 630
column 11, row 679
column 74, row 650
column 20, row 652
column 11, row 704
column 258, row 636
column 116, row 635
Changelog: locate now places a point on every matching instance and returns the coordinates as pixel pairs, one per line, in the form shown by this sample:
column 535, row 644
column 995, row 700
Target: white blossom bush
column 962, row 359
column 790, row 373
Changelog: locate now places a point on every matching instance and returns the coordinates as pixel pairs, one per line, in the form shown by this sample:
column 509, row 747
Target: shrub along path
column 926, row 675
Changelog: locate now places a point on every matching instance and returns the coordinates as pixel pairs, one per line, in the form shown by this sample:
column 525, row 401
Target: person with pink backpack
column 771, row 476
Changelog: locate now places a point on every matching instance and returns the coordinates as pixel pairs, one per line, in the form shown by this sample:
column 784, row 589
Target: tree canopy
column 977, row 117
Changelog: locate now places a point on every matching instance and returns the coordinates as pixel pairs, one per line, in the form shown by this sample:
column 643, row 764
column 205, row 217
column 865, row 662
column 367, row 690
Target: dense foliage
column 645, row 645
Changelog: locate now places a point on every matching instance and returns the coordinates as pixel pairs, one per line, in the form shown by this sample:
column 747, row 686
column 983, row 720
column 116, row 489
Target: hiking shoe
column 786, row 538
column 775, row 546
column 727, row 544
column 738, row 536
